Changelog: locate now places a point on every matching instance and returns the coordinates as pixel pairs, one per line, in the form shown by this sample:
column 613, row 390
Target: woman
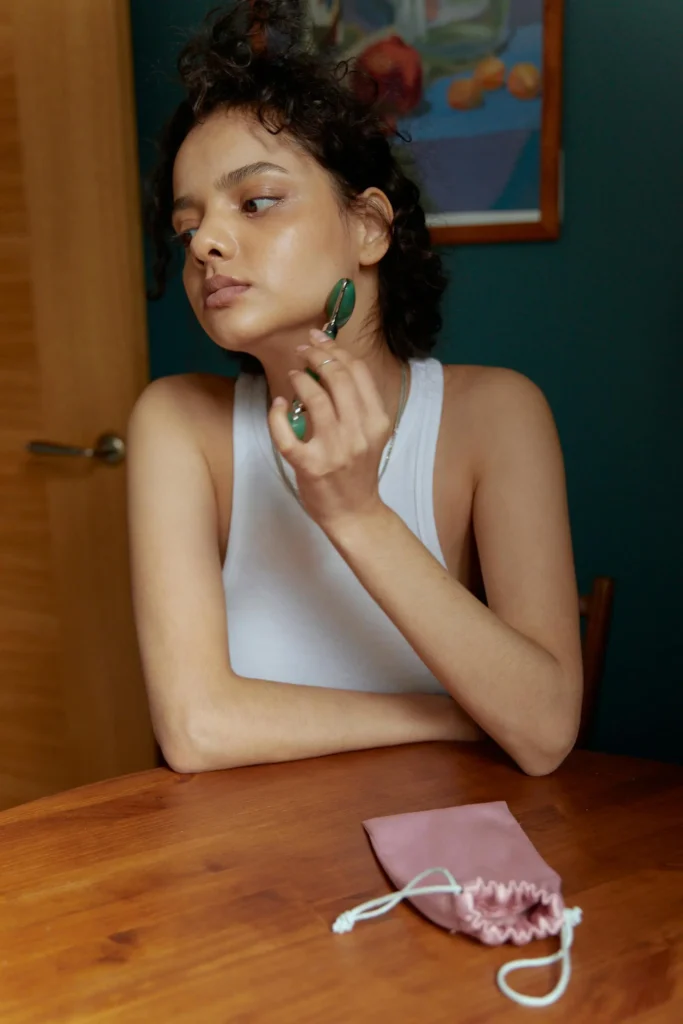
column 295, row 597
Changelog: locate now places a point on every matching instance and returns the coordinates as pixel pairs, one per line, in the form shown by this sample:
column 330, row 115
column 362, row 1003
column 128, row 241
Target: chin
column 245, row 329
column 236, row 333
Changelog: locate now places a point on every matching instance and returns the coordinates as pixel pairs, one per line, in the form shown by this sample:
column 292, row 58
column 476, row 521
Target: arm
column 514, row 666
column 205, row 716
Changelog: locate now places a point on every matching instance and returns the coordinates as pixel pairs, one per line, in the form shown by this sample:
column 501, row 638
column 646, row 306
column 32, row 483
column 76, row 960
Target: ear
column 374, row 217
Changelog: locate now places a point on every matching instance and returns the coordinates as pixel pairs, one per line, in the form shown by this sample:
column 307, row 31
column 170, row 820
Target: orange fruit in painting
column 524, row 81
column 464, row 94
column 490, row 73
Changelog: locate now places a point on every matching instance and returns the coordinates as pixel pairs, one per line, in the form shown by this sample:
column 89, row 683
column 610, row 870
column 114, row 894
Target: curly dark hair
column 254, row 56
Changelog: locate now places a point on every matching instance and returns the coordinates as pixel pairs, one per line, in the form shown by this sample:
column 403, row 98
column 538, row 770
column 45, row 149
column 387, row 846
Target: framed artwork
column 474, row 86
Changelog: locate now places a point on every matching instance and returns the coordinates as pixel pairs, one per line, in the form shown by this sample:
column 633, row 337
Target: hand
column 337, row 469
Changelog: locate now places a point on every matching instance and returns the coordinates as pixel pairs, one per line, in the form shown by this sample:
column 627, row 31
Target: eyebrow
column 230, row 179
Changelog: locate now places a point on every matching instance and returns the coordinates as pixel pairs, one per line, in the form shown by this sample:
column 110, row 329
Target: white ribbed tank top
column 296, row 612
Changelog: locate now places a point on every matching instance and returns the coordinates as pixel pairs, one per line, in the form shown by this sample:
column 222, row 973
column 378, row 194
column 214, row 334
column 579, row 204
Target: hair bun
column 229, row 41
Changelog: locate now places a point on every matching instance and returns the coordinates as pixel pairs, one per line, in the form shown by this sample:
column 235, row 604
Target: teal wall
column 595, row 319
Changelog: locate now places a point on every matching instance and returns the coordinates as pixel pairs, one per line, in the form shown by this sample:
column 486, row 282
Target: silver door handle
column 108, row 448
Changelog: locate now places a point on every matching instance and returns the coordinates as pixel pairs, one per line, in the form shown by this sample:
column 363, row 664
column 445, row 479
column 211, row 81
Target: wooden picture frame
column 547, row 226
column 504, row 142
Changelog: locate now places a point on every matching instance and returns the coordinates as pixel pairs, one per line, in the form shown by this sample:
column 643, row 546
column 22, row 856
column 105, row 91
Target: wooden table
column 208, row 899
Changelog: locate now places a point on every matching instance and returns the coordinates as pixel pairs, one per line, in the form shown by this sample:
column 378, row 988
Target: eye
column 184, row 238
column 259, row 204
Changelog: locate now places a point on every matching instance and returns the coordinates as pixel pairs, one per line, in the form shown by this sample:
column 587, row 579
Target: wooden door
column 72, row 361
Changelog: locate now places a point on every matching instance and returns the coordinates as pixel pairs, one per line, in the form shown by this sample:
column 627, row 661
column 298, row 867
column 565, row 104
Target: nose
column 214, row 241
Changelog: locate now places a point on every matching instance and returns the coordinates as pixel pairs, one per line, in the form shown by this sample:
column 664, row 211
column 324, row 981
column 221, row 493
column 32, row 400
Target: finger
column 318, row 403
column 371, row 402
column 331, row 365
column 284, row 438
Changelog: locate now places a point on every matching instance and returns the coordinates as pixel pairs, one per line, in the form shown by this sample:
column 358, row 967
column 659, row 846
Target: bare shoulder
column 493, row 406
column 180, row 439
column 482, row 388
column 192, row 403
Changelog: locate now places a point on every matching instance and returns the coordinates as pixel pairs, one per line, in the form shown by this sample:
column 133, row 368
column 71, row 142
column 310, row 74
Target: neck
column 281, row 357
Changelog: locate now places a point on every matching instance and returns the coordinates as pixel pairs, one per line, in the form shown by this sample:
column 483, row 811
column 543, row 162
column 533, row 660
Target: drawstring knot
column 383, row 904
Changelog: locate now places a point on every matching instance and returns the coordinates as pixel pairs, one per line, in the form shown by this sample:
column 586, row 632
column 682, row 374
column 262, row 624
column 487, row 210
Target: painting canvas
column 474, row 85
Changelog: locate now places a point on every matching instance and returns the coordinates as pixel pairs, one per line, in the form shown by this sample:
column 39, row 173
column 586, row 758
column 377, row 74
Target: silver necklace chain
column 390, row 447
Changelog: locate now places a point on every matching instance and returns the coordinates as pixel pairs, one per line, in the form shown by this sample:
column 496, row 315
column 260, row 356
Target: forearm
column 512, row 687
column 253, row 721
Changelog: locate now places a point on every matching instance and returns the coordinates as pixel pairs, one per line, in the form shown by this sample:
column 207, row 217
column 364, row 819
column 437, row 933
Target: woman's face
column 266, row 239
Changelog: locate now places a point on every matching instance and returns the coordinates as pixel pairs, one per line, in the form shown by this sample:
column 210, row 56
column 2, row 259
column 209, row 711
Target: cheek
column 308, row 256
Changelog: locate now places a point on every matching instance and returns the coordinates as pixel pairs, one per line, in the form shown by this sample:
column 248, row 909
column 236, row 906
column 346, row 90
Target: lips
column 221, row 291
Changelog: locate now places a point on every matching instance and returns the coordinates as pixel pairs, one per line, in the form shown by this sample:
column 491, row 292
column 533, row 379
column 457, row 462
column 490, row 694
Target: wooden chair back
column 596, row 611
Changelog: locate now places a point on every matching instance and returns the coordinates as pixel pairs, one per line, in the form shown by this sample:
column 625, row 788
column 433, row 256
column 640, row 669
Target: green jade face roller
column 339, row 307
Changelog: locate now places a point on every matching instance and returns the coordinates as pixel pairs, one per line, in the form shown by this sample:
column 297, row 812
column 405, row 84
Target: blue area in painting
column 475, row 160
column 501, row 112
column 521, row 189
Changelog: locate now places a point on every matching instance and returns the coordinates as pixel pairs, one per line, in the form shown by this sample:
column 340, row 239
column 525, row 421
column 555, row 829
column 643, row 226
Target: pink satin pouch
column 473, row 870
column 509, row 894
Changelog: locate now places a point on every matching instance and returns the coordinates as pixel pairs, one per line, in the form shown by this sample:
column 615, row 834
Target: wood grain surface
column 206, row 899
column 73, row 360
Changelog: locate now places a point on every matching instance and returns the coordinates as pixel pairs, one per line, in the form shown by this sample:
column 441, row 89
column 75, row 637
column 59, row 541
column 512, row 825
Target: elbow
column 538, row 766
column 186, row 748
column 553, row 735
column 183, row 757
column 193, row 745
column 544, row 758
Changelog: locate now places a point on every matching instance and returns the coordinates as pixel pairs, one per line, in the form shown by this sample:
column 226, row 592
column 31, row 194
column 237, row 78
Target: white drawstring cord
column 383, row 904
column 572, row 917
